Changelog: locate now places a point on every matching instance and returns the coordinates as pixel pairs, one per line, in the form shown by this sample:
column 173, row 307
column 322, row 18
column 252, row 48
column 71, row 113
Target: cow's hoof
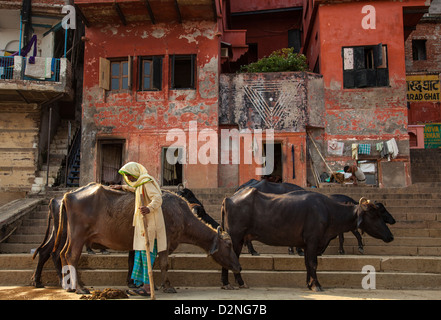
column 228, row 287
column 169, row 290
column 341, row 251
column 255, row 253
column 82, row 291
column 37, row 284
column 315, row 288
column 361, row 250
column 244, row 286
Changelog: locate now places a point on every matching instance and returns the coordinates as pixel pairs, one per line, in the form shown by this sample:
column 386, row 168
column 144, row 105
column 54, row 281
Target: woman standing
column 148, row 201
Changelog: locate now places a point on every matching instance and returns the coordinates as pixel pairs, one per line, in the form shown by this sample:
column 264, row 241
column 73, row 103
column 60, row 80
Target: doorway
column 110, row 153
column 277, row 174
column 172, row 159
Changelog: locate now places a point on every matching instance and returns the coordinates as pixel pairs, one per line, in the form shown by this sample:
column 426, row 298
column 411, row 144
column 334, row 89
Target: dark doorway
column 111, row 160
column 277, row 174
column 172, row 166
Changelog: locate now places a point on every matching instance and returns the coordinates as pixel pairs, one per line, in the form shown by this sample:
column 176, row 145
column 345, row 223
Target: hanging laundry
column 392, row 148
column 379, row 146
column 354, row 149
column 364, row 148
column 385, row 151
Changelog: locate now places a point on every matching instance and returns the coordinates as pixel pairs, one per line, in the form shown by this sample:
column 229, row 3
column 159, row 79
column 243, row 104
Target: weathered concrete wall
column 144, row 118
column 19, row 128
column 287, row 101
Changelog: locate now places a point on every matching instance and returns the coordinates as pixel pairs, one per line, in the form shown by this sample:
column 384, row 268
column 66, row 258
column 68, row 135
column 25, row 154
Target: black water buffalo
column 302, row 219
column 387, row 217
column 46, row 248
column 197, row 207
column 101, row 215
column 270, row 187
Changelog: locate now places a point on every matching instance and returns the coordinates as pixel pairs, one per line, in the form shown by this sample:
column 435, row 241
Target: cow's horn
column 363, row 200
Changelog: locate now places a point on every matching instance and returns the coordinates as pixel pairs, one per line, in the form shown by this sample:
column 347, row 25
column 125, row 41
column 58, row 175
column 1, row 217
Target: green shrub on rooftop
column 278, row 61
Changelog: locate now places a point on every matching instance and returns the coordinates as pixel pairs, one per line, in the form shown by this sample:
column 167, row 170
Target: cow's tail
column 61, row 217
column 47, row 231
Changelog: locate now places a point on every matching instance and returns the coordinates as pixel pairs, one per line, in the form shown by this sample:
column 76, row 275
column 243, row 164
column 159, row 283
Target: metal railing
column 6, row 67
column 49, row 71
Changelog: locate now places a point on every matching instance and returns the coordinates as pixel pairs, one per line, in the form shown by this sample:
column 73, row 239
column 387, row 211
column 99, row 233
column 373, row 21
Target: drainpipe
column 48, row 146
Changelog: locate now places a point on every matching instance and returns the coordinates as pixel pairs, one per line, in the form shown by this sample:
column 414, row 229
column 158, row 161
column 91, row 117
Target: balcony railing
column 20, row 68
column 6, row 68
column 38, row 82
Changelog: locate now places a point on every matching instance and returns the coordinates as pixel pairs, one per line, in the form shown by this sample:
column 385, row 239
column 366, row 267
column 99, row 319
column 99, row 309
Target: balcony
column 42, row 81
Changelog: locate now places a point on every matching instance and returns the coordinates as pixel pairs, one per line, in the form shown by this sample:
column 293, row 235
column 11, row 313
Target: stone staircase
column 411, row 261
column 58, row 152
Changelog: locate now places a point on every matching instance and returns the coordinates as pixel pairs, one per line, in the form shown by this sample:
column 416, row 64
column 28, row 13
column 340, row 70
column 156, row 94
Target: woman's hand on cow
column 144, row 210
column 115, row 186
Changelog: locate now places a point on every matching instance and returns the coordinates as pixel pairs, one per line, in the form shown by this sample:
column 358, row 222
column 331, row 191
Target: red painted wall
column 144, row 118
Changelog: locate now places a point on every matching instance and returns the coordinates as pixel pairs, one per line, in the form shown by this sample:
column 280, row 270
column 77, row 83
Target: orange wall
column 340, row 25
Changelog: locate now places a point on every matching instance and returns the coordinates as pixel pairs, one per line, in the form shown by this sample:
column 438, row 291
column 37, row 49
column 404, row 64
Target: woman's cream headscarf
column 140, row 172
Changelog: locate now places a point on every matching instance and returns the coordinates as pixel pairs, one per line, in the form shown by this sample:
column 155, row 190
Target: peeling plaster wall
column 144, row 118
column 287, row 101
column 19, row 129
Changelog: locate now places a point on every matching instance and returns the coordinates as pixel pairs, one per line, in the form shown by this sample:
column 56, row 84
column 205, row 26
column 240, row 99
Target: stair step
column 264, row 271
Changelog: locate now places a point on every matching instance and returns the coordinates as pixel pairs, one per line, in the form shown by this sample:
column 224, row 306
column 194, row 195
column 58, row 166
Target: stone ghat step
column 407, row 242
column 269, row 270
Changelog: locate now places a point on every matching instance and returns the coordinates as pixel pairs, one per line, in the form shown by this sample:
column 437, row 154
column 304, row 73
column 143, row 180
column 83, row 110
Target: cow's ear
column 214, row 247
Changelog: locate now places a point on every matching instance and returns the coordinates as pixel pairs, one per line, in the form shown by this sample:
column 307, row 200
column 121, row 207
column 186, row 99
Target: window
column 295, row 39
column 119, row 75
column 150, row 73
column 419, row 50
column 115, row 74
column 182, row 71
column 365, row 66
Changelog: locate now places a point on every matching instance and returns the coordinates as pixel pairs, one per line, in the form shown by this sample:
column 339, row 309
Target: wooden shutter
column 359, row 58
column 129, row 72
column 157, row 73
column 104, row 74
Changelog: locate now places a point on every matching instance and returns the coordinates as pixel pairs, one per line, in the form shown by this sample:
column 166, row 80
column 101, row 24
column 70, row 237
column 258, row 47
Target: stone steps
column 411, row 261
column 275, row 270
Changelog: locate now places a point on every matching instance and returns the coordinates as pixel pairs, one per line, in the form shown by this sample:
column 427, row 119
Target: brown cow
column 98, row 214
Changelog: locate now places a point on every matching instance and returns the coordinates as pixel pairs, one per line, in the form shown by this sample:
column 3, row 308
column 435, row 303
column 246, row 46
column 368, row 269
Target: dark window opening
column 365, row 67
column 419, row 50
column 294, row 39
column 150, row 73
column 182, row 71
